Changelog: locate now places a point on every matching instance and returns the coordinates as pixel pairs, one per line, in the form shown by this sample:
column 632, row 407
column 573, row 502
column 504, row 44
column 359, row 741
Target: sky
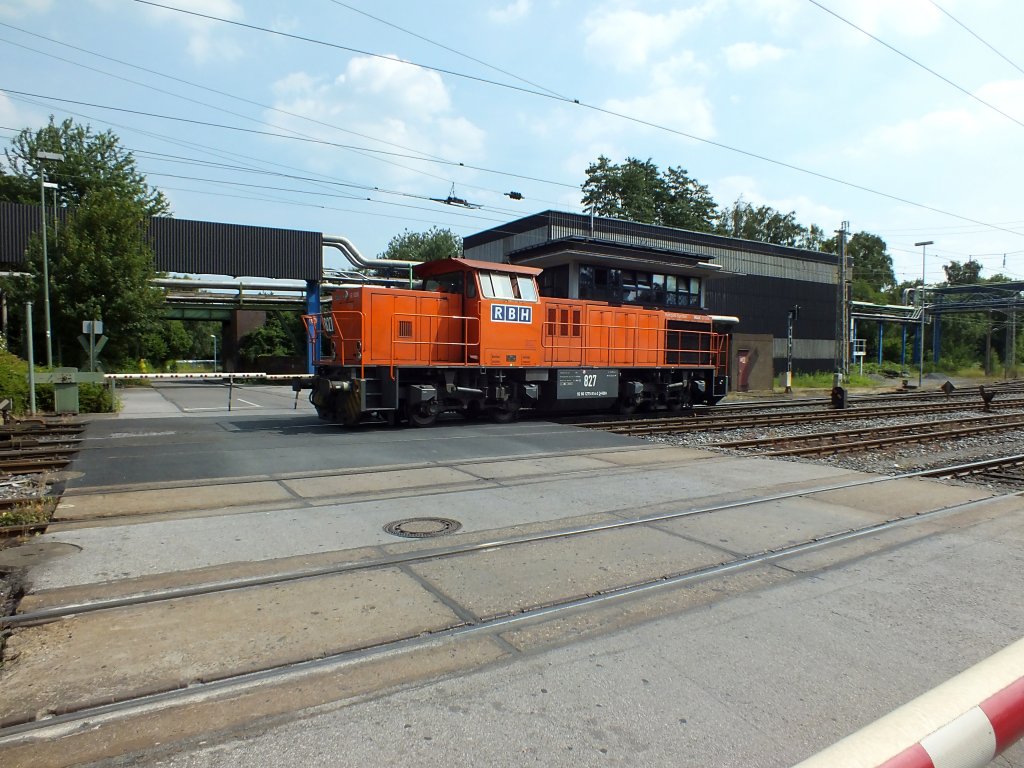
column 358, row 118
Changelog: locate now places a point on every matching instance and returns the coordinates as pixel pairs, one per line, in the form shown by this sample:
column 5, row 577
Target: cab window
column 449, row 283
column 501, row 285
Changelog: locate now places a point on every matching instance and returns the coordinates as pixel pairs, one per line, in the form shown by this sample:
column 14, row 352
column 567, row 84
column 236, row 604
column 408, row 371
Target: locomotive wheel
column 420, row 415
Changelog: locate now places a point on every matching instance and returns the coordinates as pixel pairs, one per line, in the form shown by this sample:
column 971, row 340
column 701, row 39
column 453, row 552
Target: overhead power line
column 239, row 129
column 601, row 110
column 445, row 47
column 226, row 94
column 977, row 37
column 914, row 61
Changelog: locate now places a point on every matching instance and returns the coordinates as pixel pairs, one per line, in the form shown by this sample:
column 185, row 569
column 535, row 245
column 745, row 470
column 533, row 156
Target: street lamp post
column 920, row 341
column 59, row 157
column 214, row 352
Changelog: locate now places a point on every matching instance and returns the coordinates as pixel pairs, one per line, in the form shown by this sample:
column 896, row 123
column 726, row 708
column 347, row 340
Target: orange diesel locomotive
column 479, row 339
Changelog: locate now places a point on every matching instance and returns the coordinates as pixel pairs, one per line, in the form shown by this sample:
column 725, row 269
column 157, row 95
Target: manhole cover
column 422, row 527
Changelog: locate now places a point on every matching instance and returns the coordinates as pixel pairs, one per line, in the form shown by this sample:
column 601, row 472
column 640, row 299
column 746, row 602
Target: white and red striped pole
column 963, row 723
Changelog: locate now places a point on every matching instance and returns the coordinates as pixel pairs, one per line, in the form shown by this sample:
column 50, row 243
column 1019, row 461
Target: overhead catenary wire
column 447, row 48
column 978, row 37
column 979, row 223
column 324, row 142
column 594, row 108
column 913, row 61
column 416, row 153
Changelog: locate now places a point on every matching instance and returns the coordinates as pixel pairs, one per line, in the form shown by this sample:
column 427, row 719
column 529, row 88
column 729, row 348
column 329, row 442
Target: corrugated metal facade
column 498, row 243
column 194, row 247
column 771, row 279
column 17, row 224
column 209, row 248
column 763, row 304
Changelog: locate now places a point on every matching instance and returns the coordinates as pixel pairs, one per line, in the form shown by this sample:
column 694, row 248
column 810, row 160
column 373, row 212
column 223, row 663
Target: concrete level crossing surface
column 476, row 655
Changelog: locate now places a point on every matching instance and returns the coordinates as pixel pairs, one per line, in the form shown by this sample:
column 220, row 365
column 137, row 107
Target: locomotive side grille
column 405, row 329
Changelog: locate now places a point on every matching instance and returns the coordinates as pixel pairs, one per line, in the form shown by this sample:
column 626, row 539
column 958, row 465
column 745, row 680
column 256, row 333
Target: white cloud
column 740, row 56
column 403, row 85
column 906, row 18
column 780, row 14
column 947, row 129
column 685, row 108
column 629, row 38
column 380, row 99
column 512, row 12
column 668, row 72
column 1006, row 95
column 206, row 41
column 14, row 9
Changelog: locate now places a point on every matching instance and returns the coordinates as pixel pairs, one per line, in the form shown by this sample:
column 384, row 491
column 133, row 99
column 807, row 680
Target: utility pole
column 842, row 351
column 43, row 184
column 1010, row 353
column 923, row 245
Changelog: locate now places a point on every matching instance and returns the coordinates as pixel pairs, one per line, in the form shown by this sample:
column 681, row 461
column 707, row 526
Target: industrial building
column 586, row 257
column 591, row 257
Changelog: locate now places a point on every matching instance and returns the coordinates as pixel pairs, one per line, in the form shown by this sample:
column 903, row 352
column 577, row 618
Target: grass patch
column 35, row 512
column 823, row 380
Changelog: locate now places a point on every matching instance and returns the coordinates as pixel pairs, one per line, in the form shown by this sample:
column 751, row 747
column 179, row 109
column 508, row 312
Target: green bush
column 14, row 381
column 92, row 398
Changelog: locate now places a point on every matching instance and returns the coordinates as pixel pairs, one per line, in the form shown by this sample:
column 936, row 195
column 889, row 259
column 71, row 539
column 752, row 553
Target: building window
column 627, row 286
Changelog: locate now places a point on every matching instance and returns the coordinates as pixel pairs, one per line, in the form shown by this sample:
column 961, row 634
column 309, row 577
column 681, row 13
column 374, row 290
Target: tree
column 763, row 224
column 873, row 276
column 637, row 191
column 434, row 244
column 99, row 262
column 967, row 273
column 281, row 334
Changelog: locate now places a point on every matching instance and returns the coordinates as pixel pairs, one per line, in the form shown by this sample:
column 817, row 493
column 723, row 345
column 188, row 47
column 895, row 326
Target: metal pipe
column 350, row 252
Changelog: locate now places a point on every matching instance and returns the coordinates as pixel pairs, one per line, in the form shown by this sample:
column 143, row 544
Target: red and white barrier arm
column 964, row 723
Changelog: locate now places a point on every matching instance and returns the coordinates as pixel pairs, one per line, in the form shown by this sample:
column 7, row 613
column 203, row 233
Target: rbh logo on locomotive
column 511, row 313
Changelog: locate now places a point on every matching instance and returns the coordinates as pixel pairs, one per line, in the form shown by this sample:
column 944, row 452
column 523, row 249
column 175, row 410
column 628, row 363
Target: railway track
column 827, row 443
column 29, row 452
column 707, row 421
column 1005, row 469
column 560, row 599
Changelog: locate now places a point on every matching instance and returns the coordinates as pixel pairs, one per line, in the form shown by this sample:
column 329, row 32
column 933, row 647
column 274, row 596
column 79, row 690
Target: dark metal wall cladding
column 560, row 224
column 194, row 247
column 208, row 248
column 17, row 224
column 763, row 304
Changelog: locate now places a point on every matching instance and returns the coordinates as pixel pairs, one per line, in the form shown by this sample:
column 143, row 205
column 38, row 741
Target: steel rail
column 923, row 437
column 770, row 419
column 47, row 615
column 61, row 721
column 32, row 466
column 976, row 467
column 908, row 428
